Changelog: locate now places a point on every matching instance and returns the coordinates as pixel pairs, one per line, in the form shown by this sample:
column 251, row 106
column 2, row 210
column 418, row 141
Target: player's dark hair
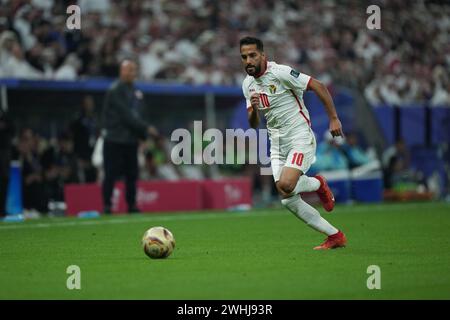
column 252, row 40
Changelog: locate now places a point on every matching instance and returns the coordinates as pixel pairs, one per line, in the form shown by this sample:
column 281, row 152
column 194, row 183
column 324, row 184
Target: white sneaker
column 31, row 214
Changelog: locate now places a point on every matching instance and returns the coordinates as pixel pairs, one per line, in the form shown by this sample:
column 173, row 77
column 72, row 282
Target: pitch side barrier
column 102, row 84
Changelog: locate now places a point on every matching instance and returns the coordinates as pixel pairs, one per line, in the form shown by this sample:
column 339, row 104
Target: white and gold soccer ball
column 158, row 242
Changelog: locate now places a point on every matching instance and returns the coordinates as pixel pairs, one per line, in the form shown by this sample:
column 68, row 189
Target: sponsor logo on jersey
column 272, row 88
column 295, row 73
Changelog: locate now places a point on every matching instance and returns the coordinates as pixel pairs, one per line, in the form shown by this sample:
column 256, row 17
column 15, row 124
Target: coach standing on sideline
column 123, row 128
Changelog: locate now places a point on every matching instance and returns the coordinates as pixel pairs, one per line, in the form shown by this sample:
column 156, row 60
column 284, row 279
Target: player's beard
column 256, row 68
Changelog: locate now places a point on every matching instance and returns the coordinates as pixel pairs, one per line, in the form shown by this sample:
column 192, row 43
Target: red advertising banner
column 158, row 196
column 83, row 197
column 226, row 193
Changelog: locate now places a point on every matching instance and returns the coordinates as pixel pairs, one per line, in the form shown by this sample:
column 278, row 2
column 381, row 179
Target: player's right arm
column 119, row 103
column 253, row 116
column 252, row 106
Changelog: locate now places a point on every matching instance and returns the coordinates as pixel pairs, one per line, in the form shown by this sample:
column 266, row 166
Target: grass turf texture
column 261, row 254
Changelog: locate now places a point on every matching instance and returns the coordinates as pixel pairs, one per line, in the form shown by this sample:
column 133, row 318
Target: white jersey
column 281, row 100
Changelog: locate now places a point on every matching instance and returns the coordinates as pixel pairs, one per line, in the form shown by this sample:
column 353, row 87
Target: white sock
column 308, row 214
column 306, row 184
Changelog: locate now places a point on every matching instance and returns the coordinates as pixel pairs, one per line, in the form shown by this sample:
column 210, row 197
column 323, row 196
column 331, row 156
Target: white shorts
column 299, row 153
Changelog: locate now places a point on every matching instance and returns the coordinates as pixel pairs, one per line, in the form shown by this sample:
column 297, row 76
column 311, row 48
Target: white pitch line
column 200, row 216
column 171, row 217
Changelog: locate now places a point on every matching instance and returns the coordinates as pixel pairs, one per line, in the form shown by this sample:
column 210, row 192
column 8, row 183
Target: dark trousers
column 3, row 192
column 120, row 160
column 4, row 178
column 35, row 197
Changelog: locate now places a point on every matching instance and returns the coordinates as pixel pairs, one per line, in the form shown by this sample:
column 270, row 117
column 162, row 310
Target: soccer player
column 277, row 91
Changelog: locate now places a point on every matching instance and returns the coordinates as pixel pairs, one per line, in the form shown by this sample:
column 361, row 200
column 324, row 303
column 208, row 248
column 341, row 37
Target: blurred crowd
column 196, row 41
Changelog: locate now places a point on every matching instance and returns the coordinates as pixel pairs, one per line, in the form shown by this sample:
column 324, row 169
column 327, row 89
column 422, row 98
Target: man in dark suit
column 123, row 128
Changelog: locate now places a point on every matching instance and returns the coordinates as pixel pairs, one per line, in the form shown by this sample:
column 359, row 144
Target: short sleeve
column 292, row 78
column 246, row 94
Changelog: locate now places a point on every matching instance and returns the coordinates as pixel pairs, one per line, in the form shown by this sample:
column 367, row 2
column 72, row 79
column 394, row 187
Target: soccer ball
column 158, row 242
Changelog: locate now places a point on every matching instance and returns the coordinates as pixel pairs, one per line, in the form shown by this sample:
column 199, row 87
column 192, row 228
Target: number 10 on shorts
column 297, row 158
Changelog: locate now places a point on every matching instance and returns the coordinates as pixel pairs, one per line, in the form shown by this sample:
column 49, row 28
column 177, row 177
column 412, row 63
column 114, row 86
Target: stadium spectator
column 355, row 154
column 402, row 179
column 329, row 155
column 396, row 164
column 14, row 63
column 441, row 93
column 84, row 130
column 345, row 157
column 34, row 197
column 123, row 126
column 360, row 161
column 157, row 164
column 69, row 69
column 59, row 167
column 149, row 170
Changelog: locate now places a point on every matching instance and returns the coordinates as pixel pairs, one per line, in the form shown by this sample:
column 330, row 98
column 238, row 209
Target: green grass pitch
column 260, row 254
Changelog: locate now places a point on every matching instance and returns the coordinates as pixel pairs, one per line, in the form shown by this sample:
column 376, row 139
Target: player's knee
column 286, row 186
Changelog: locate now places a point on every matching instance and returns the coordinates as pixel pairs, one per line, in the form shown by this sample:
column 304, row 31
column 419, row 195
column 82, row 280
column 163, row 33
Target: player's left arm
column 296, row 80
column 324, row 95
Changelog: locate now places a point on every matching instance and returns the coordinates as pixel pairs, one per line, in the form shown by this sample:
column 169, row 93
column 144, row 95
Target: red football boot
column 334, row 241
column 325, row 194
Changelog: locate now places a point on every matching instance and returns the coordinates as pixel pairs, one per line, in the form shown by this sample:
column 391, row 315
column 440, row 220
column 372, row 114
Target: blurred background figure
column 396, row 164
column 84, row 130
column 14, row 63
column 330, row 155
column 6, row 137
column 149, row 168
column 158, row 164
column 356, row 156
column 35, row 200
column 60, row 167
column 360, row 161
column 123, row 126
